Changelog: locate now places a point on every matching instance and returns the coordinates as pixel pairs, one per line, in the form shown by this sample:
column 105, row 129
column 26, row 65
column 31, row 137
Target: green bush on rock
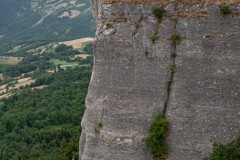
column 224, row 9
column 175, row 38
column 158, row 12
column 154, row 37
column 229, row 151
column 155, row 142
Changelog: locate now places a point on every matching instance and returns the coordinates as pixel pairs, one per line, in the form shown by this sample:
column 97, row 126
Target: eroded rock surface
column 131, row 75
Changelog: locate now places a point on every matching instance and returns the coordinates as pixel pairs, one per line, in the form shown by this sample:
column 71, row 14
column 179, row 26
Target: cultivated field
column 84, row 56
column 24, row 82
column 6, row 95
column 20, row 82
column 78, row 43
column 70, row 14
column 39, row 87
column 9, row 60
column 2, row 89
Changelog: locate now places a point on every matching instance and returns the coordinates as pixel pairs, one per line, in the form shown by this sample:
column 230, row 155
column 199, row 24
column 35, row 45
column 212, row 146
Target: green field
column 63, row 63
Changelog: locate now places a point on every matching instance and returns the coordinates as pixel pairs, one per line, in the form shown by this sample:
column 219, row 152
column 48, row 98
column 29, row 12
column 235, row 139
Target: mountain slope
column 44, row 20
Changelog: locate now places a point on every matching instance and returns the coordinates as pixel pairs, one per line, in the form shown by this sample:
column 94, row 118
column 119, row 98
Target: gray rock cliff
column 132, row 80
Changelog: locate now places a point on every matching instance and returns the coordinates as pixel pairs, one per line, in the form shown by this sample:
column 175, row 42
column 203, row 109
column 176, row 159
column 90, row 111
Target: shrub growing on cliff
column 109, row 25
column 224, row 9
column 98, row 128
column 175, row 38
column 229, row 151
column 172, row 66
column 100, row 125
column 173, row 55
column 154, row 37
column 155, row 142
column 158, row 12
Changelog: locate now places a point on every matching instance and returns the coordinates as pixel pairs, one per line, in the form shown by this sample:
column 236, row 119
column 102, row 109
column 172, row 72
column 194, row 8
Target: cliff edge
column 139, row 71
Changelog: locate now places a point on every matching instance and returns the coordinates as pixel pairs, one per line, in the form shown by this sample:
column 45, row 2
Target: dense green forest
column 45, row 123
column 42, row 120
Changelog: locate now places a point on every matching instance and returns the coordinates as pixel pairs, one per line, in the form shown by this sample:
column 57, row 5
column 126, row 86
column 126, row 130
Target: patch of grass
column 109, row 25
column 175, row 38
column 85, row 65
column 158, row 12
column 100, row 125
column 173, row 66
column 173, row 55
column 229, row 151
column 224, row 9
column 155, row 142
column 154, row 37
column 98, row 128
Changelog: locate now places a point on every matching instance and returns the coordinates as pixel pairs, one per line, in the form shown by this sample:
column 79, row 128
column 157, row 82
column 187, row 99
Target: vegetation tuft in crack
column 155, row 142
column 175, row 38
column 173, row 55
column 158, row 12
column 154, row 37
column 109, row 25
column 98, row 128
column 224, row 9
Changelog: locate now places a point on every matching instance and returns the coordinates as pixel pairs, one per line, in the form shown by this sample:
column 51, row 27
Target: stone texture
column 204, row 105
column 131, row 74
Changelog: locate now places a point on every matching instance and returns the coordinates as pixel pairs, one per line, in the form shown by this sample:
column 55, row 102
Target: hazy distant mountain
column 27, row 20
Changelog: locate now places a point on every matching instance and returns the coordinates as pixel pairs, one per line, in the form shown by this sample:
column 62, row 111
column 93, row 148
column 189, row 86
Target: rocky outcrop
column 135, row 77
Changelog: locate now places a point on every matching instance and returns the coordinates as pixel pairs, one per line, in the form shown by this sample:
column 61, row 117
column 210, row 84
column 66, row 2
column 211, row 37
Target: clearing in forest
column 83, row 56
column 4, row 92
column 78, row 43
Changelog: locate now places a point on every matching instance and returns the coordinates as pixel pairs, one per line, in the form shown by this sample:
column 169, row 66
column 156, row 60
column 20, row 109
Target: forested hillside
column 42, row 100
column 44, row 124
column 23, row 20
column 43, row 83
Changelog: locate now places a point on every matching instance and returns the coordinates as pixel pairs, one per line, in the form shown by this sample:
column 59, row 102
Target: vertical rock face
column 204, row 105
column 130, row 81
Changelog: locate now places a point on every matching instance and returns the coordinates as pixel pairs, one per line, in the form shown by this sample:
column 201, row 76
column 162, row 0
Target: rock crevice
column 172, row 67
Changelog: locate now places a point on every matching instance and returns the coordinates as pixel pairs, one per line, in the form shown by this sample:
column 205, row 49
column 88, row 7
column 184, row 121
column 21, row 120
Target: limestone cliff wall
column 132, row 80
